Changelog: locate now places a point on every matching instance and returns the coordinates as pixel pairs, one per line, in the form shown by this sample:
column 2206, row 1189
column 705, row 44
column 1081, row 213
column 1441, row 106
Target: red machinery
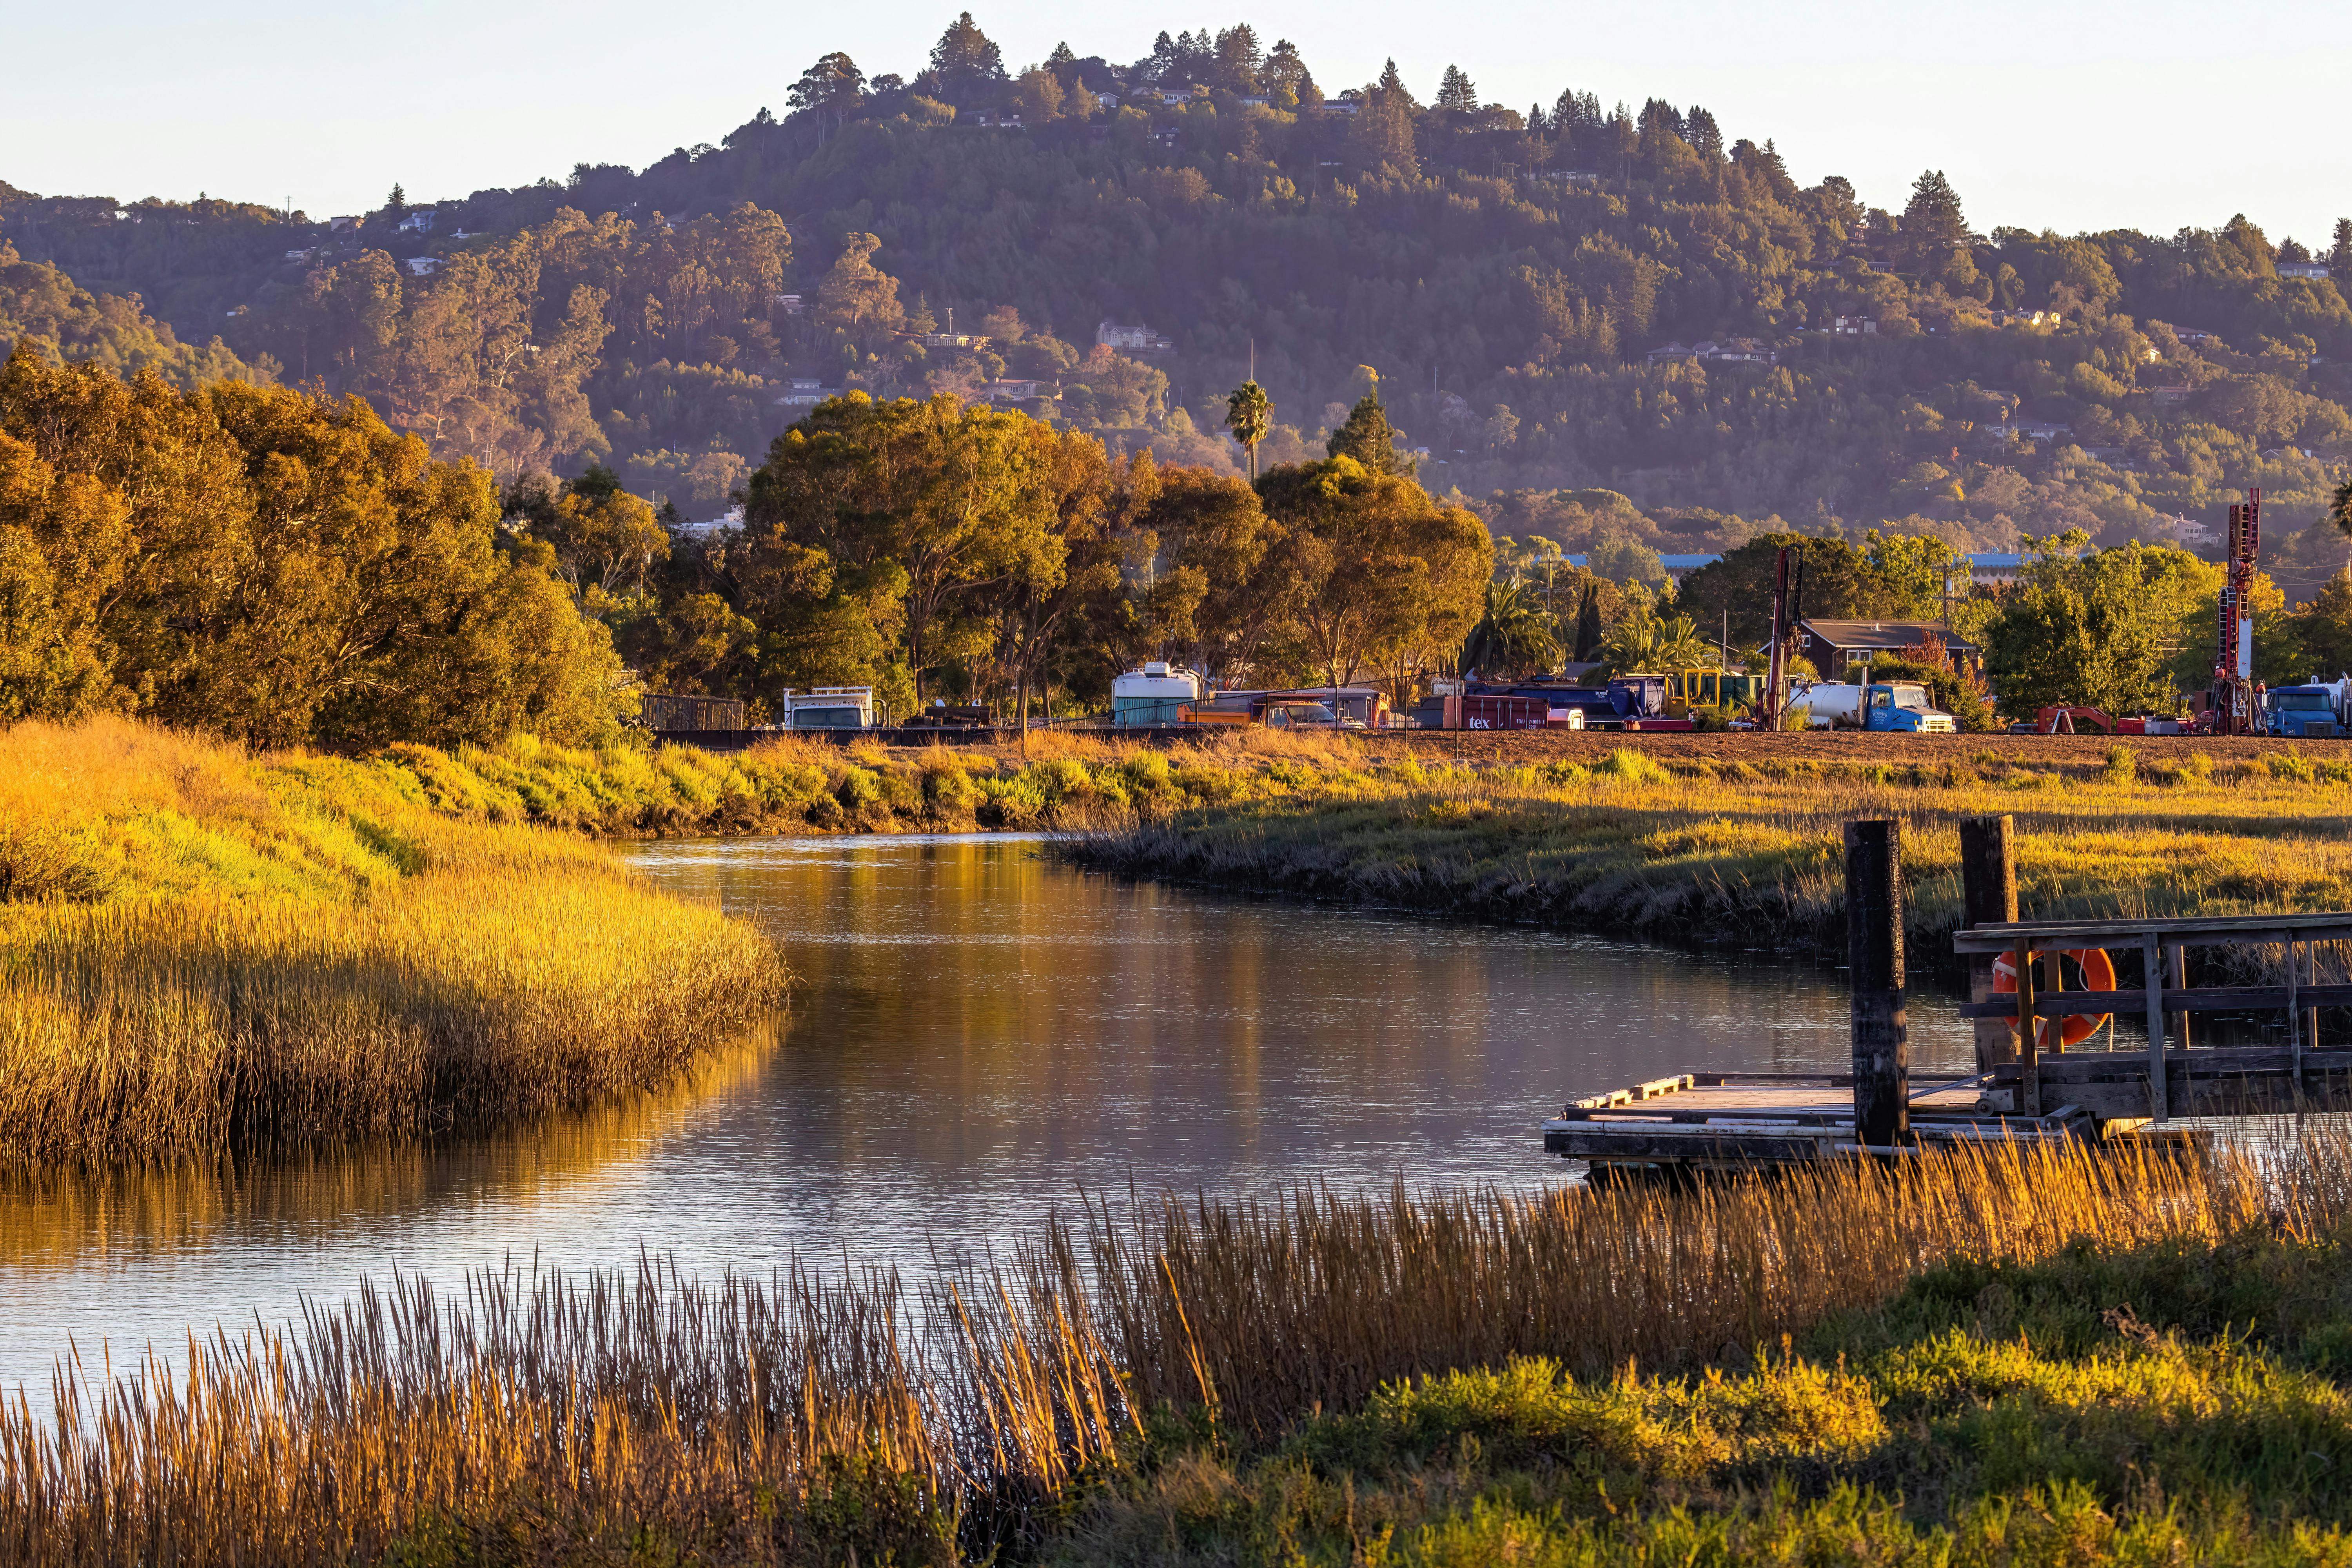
column 2069, row 719
column 2235, row 707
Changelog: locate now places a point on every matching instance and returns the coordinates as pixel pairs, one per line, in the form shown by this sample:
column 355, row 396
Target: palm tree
column 1647, row 643
column 1249, row 415
column 1513, row 634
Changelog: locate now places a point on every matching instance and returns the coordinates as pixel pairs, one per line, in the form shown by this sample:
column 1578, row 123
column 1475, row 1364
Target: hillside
column 1521, row 286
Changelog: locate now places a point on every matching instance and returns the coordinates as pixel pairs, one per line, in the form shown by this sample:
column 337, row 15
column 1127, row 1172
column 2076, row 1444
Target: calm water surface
column 977, row 1034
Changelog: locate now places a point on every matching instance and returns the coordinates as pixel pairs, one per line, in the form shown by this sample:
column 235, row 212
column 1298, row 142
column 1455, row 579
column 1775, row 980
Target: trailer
column 829, row 707
column 667, row 713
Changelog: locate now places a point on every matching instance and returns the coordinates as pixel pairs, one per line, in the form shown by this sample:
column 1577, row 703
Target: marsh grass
column 1146, row 1383
column 244, row 948
column 790, row 785
column 1736, row 853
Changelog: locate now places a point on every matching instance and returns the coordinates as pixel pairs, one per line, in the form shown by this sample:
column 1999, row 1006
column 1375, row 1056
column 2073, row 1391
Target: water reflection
column 976, row 1034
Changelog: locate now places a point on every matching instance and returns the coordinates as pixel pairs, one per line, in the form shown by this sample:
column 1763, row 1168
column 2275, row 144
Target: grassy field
column 198, row 949
column 1996, row 1357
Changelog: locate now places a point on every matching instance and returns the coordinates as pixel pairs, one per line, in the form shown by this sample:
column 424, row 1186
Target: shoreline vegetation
column 202, row 949
column 2003, row 1355
column 1699, row 841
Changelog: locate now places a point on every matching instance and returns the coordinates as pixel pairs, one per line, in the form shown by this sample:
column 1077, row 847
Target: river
column 977, row 1034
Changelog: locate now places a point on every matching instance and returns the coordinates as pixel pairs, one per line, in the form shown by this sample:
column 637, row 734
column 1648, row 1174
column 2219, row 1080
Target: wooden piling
column 1874, row 913
column 1989, row 897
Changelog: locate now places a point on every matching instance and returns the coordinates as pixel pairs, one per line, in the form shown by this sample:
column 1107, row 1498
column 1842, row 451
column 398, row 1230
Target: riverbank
column 1995, row 1356
column 201, row 948
column 1721, row 849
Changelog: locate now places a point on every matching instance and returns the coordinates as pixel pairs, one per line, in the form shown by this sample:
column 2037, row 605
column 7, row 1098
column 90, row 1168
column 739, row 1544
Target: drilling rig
column 2233, row 702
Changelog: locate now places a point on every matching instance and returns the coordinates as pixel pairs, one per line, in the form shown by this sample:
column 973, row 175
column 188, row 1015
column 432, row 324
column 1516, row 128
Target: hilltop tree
column 1283, row 75
column 832, row 89
column 2339, row 256
column 964, row 60
column 1456, row 92
column 1383, row 133
column 1238, row 60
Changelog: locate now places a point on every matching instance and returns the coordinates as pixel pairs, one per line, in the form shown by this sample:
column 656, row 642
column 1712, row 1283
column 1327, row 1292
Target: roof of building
column 1886, row 635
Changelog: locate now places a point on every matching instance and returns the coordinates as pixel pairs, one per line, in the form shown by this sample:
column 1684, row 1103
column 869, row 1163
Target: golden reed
column 545, row 1418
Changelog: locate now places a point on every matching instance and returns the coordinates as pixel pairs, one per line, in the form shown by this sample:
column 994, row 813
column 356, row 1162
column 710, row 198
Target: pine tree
column 964, row 57
column 1393, row 82
column 1456, row 90
column 1369, row 438
column 2339, row 259
column 1932, row 221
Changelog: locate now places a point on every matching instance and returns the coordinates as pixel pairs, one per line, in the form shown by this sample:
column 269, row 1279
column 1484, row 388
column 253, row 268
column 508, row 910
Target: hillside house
column 1136, row 339
column 2314, row 270
column 806, row 392
column 422, row 266
column 420, row 221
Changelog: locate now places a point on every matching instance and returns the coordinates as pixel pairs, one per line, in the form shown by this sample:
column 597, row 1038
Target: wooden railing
column 2249, row 1079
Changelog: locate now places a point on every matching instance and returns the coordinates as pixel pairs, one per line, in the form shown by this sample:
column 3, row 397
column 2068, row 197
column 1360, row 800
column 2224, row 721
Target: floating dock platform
column 1716, row 1120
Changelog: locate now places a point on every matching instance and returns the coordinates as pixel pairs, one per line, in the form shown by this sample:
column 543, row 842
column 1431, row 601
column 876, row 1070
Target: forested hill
column 1521, row 286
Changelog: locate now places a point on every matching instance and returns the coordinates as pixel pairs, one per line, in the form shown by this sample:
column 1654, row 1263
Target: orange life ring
column 2098, row 973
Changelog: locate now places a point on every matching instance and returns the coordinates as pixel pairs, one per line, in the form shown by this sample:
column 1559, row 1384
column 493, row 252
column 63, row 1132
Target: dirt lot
column 1823, row 745
column 1756, row 746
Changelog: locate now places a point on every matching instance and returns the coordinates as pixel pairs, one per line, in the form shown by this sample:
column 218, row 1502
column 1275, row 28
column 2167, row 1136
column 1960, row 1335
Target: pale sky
column 2068, row 115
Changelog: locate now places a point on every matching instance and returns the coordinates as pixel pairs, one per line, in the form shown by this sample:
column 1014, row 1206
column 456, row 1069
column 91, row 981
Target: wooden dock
column 2027, row 1087
column 1705, row 1121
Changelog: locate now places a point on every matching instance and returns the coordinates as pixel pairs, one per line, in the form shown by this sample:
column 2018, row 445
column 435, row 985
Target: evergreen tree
column 1701, row 131
column 1283, row 75
column 1932, row 220
column 964, row 58
column 1456, row 92
column 1369, row 438
column 2339, row 259
column 1238, row 60
column 1587, row 642
column 1392, row 83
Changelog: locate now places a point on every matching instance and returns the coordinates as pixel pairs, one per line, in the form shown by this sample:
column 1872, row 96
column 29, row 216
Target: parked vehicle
column 829, row 707
column 1628, row 702
column 1156, row 694
column 2302, row 711
column 945, row 715
column 1275, row 709
column 1897, row 707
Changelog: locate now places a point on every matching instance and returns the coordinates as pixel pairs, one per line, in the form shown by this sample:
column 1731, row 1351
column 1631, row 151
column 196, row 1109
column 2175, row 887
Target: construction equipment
column 2068, row 719
column 2235, row 707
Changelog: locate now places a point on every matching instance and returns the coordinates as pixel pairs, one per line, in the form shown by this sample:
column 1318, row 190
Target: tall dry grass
column 242, row 949
column 536, row 1417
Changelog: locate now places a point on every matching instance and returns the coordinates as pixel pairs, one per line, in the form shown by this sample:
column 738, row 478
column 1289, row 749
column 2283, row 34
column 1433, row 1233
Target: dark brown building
column 1830, row 646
